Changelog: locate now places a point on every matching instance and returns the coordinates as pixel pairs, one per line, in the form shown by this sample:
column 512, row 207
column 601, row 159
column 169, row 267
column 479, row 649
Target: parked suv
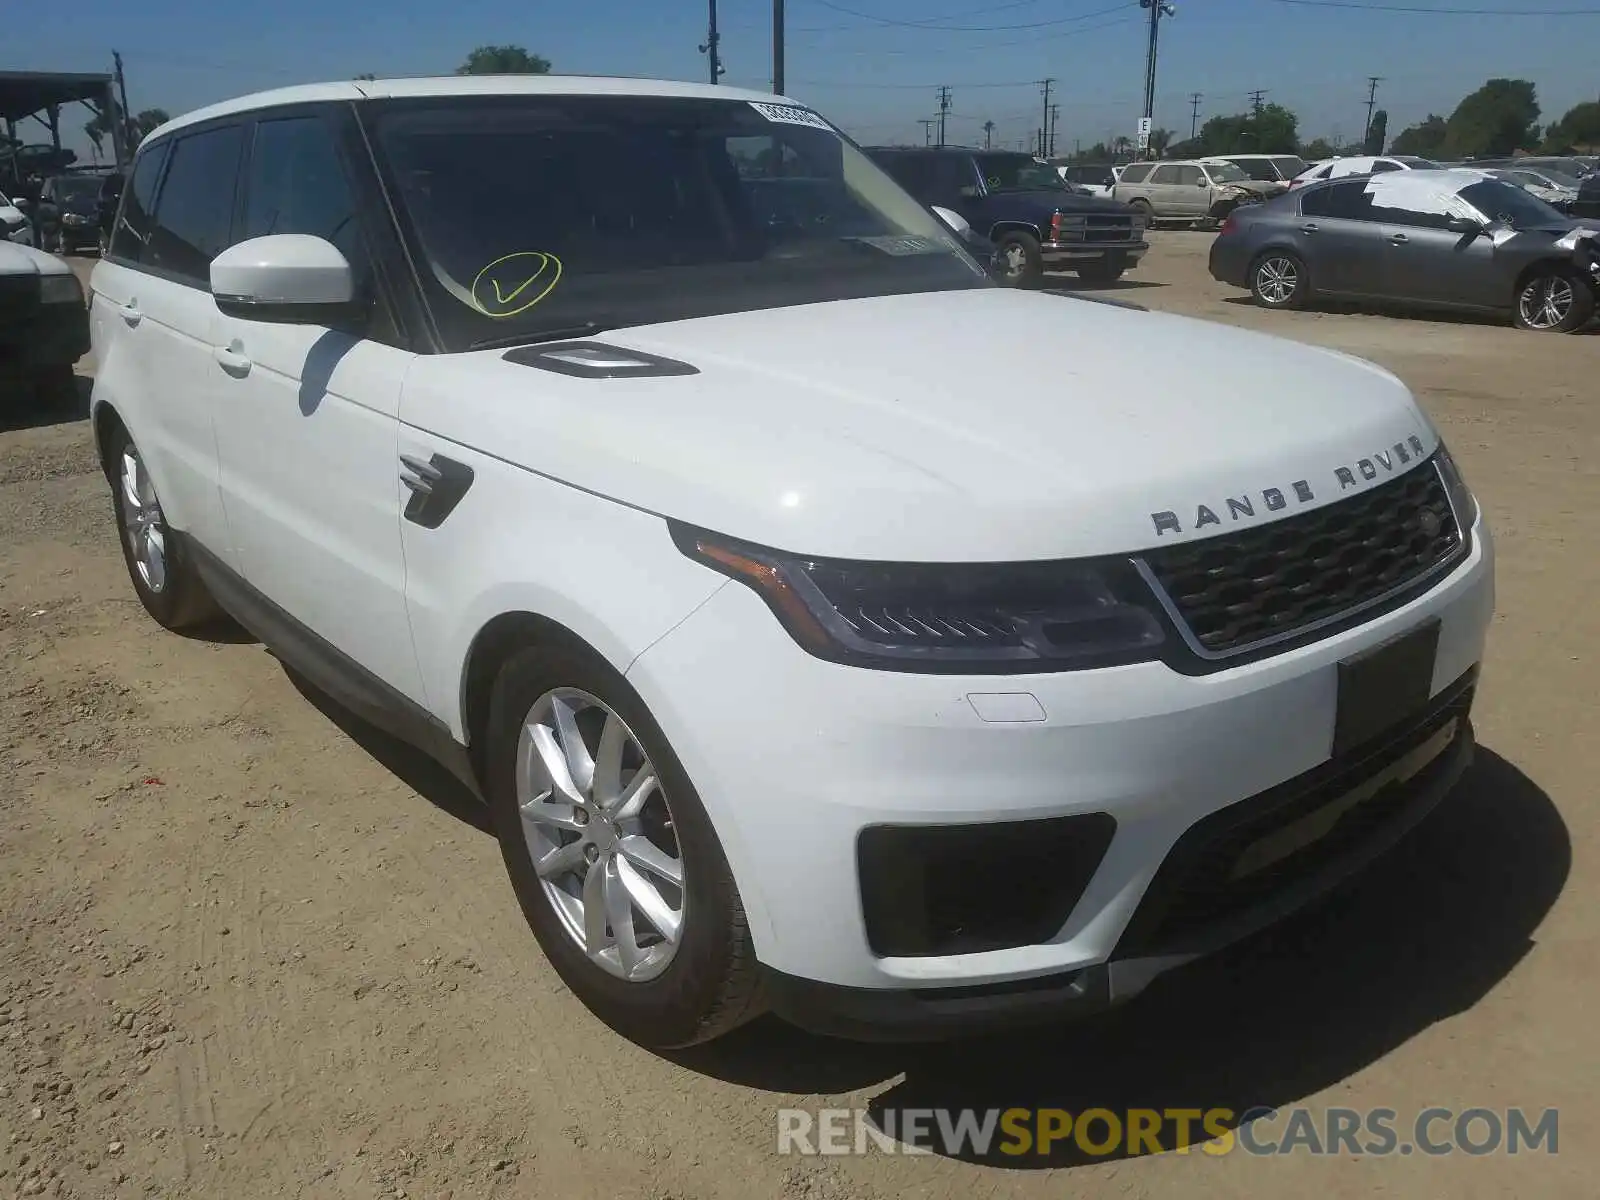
column 1269, row 168
column 1024, row 206
column 810, row 646
column 1206, row 189
column 67, row 218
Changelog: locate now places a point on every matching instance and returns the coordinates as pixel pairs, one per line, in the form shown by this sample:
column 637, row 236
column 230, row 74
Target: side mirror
column 1464, row 225
column 292, row 278
column 1203, row 183
column 957, row 223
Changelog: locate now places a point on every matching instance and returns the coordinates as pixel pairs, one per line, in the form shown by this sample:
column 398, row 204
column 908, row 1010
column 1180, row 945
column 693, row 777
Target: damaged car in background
column 1457, row 239
column 1204, row 190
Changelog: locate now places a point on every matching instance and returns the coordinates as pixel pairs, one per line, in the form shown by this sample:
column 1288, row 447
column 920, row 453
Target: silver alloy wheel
column 1016, row 260
column 1276, row 280
column 600, row 833
column 1546, row 302
column 143, row 524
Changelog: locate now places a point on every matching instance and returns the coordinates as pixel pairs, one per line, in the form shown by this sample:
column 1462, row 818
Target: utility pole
column 119, row 124
column 1055, row 123
column 927, row 124
column 1194, row 114
column 1255, row 99
column 1158, row 9
column 1372, row 98
column 1045, row 85
column 944, row 108
column 713, row 57
column 777, row 47
column 988, row 135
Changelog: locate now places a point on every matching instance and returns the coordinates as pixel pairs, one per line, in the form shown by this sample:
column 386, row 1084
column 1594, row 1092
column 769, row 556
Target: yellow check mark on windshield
column 516, row 291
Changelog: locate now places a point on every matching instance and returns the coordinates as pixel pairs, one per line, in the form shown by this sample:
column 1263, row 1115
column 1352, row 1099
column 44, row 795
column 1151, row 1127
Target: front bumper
column 1076, row 253
column 794, row 758
column 34, row 335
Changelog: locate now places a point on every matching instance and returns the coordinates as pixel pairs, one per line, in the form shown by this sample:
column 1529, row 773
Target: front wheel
column 1278, row 280
column 611, row 854
column 1021, row 262
column 1553, row 300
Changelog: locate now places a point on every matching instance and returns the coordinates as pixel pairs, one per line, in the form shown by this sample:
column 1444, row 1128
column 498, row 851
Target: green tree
column 1160, row 139
column 1318, row 148
column 1377, row 133
column 1579, row 127
column 141, row 126
column 1272, row 130
column 1493, row 121
column 1425, row 138
column 503, row 60
column 1097, row 153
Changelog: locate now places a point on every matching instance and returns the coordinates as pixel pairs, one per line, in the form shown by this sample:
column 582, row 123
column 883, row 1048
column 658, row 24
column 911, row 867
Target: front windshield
column 1510, row 205
column 78, row 192
column 1289, row 165
column 1225, row 172
column 1260, row 169
column 1018, row 173
column 555, row 216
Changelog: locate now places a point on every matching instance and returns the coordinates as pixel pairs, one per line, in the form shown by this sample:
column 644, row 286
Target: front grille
column 1216, row 870
column 19, row 296
column 1082, row 227
column 1268, row 582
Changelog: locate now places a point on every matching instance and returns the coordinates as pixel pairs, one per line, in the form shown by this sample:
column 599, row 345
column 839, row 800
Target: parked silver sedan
column 1431, row 238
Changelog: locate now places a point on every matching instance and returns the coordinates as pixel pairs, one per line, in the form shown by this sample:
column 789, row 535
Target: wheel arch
column 1557, row 263
column 106, row 422
column 1000, row 228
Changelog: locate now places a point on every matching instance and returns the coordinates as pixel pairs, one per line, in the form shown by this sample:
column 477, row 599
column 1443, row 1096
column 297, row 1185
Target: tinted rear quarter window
column 1166, row 174
column 194, row 213
column 133, row 222
column 1349, row 201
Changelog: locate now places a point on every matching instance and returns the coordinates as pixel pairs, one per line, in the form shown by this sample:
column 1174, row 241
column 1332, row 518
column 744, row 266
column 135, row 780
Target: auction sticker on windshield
column 789, row 114
column 514, row 283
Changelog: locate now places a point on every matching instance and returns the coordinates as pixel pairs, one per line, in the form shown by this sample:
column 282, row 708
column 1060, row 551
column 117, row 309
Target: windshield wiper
column 533, row 337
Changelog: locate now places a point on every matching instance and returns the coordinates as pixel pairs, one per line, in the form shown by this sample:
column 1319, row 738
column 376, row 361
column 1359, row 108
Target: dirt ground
column 249, row 948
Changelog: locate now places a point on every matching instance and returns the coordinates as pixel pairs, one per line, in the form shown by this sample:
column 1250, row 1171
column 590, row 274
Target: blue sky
column 874, row 78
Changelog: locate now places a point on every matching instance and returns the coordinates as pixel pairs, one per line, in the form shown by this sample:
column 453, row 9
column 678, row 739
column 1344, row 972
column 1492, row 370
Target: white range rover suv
column 808, row 657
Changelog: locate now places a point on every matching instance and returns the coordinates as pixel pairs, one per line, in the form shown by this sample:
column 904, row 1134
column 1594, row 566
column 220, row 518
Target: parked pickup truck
column 1024, row 206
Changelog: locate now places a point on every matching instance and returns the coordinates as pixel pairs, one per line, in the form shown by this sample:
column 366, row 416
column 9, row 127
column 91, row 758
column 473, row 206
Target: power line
column 1194, row 114
column 1255, row 99
column 1447, row 12
column 927, row 124
column 1055, row 122
column 931, row 27
column 1158, row 9
column 713, row 55
column 944, row 109
column 1045, row 86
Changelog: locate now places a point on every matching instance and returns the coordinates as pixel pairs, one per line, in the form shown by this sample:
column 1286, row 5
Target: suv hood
column 1049, row 200
column 924, row 428
column 18, row 259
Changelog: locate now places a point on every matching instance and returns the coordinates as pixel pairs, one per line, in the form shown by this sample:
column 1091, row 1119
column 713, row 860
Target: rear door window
column 1163, row 174
column 1347, row 201
column 1190, row 175
column 194, row 213
column 1134, row 173
column 133, row 222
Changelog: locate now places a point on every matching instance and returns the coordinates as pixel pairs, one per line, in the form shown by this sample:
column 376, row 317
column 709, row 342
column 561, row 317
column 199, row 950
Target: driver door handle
column 1398, row 239
column 233, row 361
column 1309, row 227
column 130, row 313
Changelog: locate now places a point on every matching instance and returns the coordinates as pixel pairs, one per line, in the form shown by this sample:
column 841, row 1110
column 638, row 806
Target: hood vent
column 595, row 360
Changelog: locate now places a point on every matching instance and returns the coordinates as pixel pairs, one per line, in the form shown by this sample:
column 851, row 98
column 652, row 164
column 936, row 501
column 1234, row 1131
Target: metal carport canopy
column 23, row 93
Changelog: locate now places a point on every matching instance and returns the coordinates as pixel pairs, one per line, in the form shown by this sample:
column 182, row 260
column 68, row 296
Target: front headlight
column 1455, row 486
column 60, row 289
column 974, row 618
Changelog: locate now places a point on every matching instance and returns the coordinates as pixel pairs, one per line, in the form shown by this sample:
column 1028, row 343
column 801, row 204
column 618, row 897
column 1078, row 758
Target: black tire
column 1553, row 285
column 1142, row 206
column 712, row 983
column 1270, row 272
column 1101, row 272
column 181, row 600
column 1021, row 263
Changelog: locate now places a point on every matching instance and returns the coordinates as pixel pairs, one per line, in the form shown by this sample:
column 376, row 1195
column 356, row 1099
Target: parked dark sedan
column 1437, row 239
column 67, row 217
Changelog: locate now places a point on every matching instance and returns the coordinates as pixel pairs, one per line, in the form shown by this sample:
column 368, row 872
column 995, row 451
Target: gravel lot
column 252, row 949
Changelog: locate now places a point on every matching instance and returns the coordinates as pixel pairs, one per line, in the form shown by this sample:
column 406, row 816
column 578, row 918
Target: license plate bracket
column 1382, row 686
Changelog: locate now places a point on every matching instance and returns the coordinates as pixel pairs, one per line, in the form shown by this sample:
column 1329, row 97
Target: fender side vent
column 595, row 360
